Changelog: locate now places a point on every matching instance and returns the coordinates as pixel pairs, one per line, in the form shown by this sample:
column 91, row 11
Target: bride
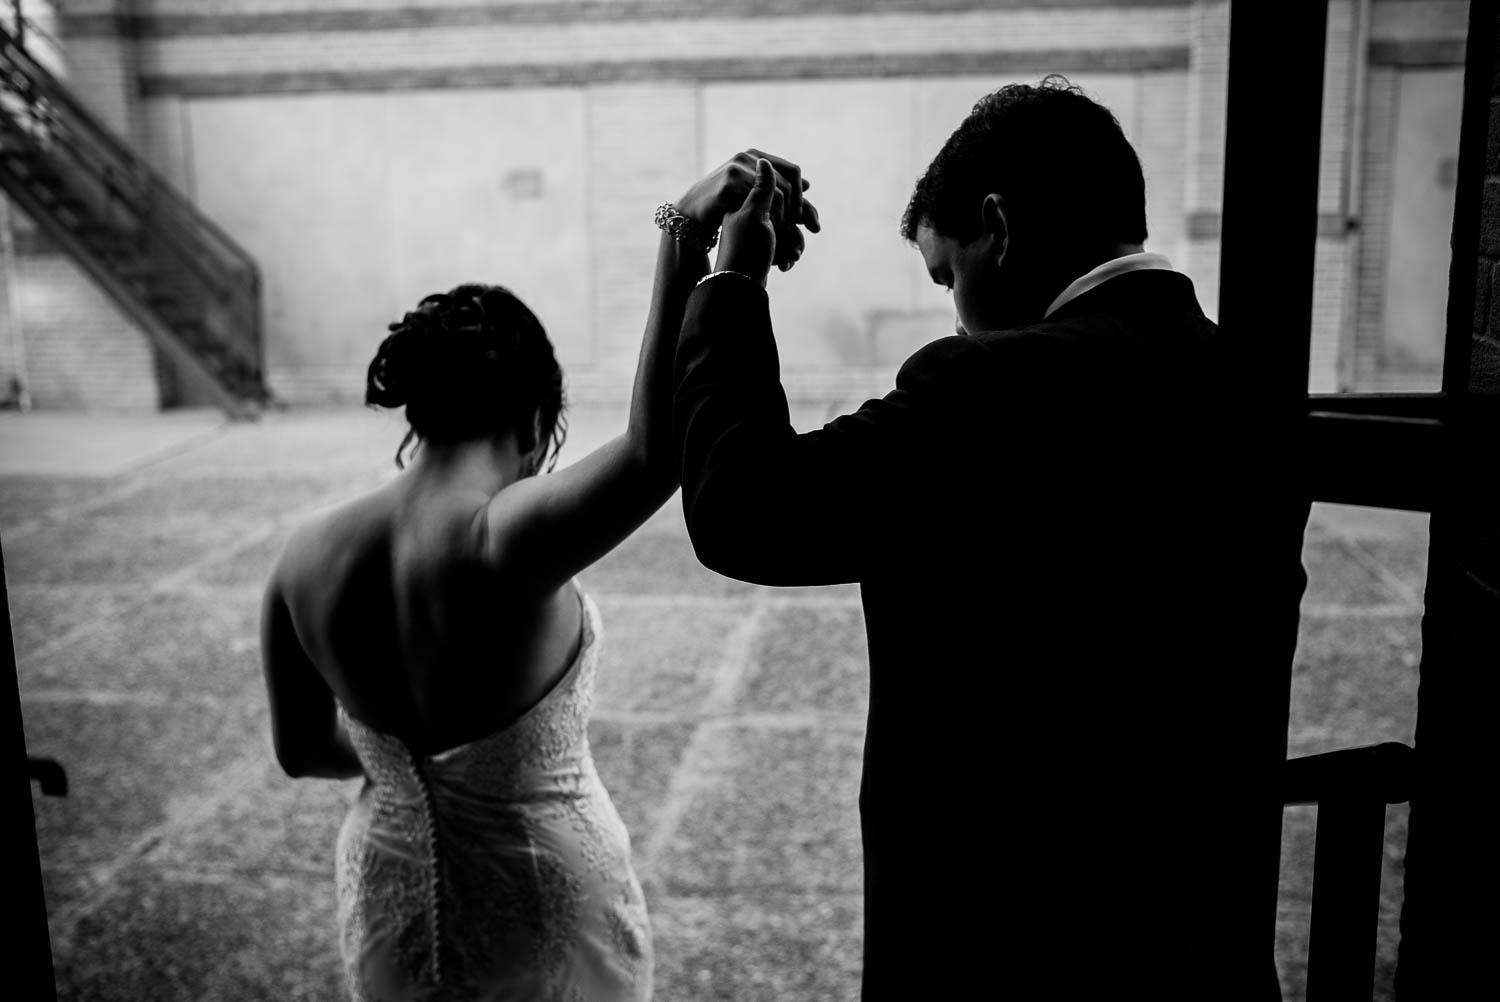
column 430, row 637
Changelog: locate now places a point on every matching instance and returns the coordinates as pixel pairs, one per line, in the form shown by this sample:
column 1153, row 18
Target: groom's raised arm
column 766, row 504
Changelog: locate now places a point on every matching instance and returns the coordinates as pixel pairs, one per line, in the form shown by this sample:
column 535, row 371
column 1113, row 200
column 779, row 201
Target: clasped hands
column 758, row 199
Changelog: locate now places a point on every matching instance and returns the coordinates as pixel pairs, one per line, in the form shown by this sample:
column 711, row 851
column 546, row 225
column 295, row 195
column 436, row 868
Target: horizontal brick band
column 533, row 12
column 1418, row 52
column 1016, row 63
column 30, row 241
column 1208, row 224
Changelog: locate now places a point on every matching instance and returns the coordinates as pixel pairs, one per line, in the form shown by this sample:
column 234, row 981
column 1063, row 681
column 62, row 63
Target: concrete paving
column 184, row 866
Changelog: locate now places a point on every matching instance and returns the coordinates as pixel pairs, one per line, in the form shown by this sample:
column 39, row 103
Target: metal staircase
column 186, row 283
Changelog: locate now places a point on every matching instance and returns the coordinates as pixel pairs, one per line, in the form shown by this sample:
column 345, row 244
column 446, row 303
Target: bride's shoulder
column 340, row 529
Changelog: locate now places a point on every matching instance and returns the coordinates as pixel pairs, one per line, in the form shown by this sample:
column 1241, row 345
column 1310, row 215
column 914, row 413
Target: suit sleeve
column 768, row 505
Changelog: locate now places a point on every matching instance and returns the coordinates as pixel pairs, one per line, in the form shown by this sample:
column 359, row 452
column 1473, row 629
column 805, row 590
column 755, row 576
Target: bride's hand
column 724, row 189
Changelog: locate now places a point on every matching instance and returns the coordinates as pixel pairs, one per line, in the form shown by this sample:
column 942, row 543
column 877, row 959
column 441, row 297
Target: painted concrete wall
column 1424, row 174
column 371, row 151
column 357, row 200
column 357, row 205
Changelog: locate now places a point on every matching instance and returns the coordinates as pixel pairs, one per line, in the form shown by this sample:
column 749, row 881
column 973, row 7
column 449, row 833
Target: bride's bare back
column 414, row 631
column 440, row 607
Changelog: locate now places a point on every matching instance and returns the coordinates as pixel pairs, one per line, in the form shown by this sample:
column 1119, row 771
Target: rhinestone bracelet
column 685, row 230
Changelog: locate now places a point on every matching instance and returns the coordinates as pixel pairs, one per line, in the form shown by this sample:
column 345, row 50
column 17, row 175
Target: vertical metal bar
column 1345, row 900
column 1268, row 237
column 32, row 951
column 1270, row 226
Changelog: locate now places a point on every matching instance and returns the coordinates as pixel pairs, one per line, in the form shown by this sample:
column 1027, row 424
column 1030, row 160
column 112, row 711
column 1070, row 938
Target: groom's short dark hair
column 1056, row 156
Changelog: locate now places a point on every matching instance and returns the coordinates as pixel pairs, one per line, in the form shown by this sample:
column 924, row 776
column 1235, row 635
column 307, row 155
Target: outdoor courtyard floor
column 183, row 865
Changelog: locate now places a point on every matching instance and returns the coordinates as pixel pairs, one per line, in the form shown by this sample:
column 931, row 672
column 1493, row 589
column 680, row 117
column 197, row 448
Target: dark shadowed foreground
column 728, row 725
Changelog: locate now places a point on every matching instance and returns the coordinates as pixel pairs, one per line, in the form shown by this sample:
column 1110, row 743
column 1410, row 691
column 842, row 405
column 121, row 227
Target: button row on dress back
column 429, row 824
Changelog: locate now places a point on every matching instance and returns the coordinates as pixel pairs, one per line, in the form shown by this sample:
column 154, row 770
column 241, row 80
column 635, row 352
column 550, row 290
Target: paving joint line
column 635, row 600
column 733, row 889
column 282, row 877
column 1338, row 610
column 105, row 697
column 118, row 485
column 1356, row 548
column 122, row 486
column 698, row 764
column 145, row 464
column 230, row 782
column 1388, row 577
column 767, row 720
column 86, row 588
column 689, row 892
column 207, row 587
column 172, row 582
column 110, row 492
column 262, row 531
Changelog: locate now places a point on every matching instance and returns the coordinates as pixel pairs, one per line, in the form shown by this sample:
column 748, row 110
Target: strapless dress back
column 496, row 870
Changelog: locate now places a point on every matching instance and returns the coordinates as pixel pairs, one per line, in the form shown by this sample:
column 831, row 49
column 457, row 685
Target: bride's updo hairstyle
column 471, row 363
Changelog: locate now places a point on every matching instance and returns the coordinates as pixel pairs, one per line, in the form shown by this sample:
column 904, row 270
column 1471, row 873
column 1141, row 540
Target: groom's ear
column 994, row 224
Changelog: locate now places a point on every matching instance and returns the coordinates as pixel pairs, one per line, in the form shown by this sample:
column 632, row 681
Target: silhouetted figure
column 429, row 636
column 1080, row 572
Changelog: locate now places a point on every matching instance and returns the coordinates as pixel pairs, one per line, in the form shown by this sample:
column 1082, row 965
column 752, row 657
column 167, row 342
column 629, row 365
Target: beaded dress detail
column 496, row 870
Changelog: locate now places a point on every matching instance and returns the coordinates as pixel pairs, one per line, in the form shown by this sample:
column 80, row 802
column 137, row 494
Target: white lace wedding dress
column 495, row 870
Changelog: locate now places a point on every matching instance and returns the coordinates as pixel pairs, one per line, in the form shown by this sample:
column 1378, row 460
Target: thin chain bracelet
column 726, row 271
column 685, row 230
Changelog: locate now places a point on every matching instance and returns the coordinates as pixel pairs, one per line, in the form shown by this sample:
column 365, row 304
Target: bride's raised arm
column 542, row 530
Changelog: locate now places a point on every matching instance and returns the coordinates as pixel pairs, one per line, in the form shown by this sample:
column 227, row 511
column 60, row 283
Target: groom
column 1079, row 568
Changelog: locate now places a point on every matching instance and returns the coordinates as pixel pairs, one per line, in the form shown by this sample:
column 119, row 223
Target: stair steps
column 186, row 283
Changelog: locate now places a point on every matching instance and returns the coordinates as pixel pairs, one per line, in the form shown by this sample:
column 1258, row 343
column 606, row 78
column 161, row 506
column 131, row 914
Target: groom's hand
column 748, row 243
column 723, row 190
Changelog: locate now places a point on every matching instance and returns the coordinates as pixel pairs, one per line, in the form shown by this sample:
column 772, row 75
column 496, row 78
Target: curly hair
column 470, row 363
column 1057, row 156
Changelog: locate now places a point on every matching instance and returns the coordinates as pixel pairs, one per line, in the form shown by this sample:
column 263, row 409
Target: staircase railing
column 151, row 242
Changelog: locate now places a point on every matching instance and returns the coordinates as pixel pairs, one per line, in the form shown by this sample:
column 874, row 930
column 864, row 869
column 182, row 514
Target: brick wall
column 1332, row 257
column 78, row 357
column 1351, row 347
column 569, row 53
column 628, row 178
column 1375, row 227
column 102, row 66
column 1160, row 135
column 1207, row 90
column 80, row 352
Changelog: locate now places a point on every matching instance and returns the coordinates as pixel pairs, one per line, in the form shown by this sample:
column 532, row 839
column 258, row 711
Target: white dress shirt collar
column 1144, row 261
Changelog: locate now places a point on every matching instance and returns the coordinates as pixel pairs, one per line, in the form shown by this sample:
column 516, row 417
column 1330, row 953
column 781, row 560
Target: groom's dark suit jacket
column 1080, row 568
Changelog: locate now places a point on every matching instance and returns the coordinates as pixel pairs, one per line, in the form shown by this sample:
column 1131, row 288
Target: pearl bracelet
column 684, row 229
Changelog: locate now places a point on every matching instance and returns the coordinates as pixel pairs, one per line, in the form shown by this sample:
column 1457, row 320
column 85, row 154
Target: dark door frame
column 1433, row 452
